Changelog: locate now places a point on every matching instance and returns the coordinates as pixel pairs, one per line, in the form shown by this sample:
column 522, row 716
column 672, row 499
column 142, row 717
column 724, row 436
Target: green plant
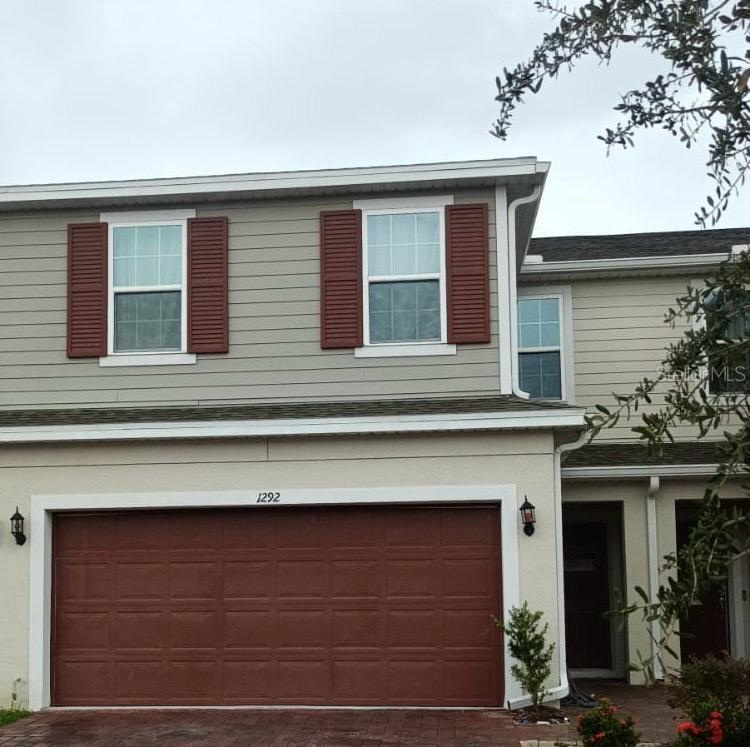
column 527, row 643
column 603, row 726
column 715, row 694
column 9, row 715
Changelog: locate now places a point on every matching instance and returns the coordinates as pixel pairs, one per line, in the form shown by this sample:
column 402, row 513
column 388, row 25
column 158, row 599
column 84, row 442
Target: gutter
column 639, row 471
column 513, row 285
column 484, row 421
column 653, row 565
column 680, row 261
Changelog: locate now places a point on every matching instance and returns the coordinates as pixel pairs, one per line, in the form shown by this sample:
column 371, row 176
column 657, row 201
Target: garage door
column 338, row 606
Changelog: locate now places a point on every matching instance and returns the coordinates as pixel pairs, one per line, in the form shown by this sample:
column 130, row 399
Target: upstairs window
column 539, row 351
column 148, row 310
column 404, row 271
column 729, row 367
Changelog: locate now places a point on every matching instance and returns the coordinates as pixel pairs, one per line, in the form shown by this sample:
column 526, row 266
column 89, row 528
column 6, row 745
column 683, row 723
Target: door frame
column 601, row 511
column 44, row 506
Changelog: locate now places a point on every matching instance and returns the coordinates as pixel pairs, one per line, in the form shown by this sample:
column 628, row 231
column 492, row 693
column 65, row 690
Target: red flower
column 688, row 727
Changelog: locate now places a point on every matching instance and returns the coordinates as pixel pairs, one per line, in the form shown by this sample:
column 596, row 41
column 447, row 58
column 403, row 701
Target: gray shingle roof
column 287, row 410
column 636, row 455
column 639, row 245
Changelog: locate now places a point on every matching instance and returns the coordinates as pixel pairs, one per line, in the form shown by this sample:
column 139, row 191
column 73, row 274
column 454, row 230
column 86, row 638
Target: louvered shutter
column 468, row 273
column 208, row 285
column 87, row 290
column 341, row 279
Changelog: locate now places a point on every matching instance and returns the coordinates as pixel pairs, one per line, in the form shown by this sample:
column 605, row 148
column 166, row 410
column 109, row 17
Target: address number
column 269, row 497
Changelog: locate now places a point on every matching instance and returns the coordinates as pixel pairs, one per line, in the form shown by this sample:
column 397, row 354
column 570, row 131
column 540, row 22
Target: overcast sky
column 117, row 89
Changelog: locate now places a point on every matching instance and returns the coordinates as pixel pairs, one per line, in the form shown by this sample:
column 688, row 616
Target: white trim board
column 271, row 182
column 571, row 418
column 663, row 470
column 40, row 544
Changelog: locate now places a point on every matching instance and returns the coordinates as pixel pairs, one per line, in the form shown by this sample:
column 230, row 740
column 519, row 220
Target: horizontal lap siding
column 620, row 337
column 274, row 323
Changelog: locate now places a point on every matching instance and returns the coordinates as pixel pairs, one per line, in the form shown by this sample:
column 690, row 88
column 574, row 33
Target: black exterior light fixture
column 528, row 516
column 16, row 527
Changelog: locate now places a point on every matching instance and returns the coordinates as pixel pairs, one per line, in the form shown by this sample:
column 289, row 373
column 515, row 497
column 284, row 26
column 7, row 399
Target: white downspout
column 512, row 287
column 653, row 565
column 560, row 691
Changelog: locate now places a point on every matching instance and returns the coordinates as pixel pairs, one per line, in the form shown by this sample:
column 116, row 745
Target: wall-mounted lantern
column 16, row 527
column 528, row 516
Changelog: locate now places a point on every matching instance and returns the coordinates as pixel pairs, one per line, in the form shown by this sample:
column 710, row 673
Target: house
column 268, row 436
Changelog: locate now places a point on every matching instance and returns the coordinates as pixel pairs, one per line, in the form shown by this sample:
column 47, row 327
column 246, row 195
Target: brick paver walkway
column 312, row 728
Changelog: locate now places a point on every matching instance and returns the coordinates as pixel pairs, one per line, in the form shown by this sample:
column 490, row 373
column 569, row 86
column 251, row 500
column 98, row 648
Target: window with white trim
column 404, row 266
column 539, row 349
column 148, row 313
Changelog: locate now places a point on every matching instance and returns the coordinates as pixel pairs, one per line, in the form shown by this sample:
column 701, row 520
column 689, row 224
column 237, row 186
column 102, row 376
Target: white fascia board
column 662, row 470
column 624, row 263
column 497, row 169
column 294, row 427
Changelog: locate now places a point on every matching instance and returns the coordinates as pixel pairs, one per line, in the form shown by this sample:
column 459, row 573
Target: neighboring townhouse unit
column 269, row 435
column 592, row 322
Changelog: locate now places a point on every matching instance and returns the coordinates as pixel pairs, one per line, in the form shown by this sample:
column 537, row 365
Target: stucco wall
column 632, row 494
column 420, row 460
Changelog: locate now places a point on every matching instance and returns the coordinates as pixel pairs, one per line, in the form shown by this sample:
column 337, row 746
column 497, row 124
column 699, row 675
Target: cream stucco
column 522, row 459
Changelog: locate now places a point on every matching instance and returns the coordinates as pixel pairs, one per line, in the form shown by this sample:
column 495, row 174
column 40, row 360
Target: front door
column 592, row 563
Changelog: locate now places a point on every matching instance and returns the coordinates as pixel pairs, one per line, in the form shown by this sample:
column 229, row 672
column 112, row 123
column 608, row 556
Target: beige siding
column 619, row 337
column 275, row 353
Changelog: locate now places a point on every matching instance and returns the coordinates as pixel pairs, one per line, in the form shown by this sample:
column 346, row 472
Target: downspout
column 512, row 287
column 559, row 691
column 653, row 565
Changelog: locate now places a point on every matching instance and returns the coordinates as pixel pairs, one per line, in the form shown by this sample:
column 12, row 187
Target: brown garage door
column 355, row 605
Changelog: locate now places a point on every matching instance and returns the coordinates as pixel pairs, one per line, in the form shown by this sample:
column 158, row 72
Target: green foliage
column 9, row 715
column 713, row 684
column 527, row 643
column 603, row 726
column 715, row 345
column 699, row 90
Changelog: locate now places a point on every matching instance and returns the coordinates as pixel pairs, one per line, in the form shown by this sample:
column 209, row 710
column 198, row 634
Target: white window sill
column 404, row 351
column 147, row 359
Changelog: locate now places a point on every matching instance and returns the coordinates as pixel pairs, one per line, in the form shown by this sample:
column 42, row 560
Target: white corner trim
column 483, row 421
column 665, row 470
column 40, row 543
column 147, row 359
column 502, row 256
column 652, row 531
column 146, row 216
column 403, row 203
column 403, row 351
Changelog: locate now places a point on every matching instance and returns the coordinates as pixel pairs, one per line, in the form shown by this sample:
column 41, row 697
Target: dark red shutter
column 208, row 285
column 341, row 279
column 468, row 273
column 87, row 290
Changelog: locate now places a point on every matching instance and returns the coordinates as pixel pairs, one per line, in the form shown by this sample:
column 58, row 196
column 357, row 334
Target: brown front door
column 587, row 595
column 706, row 628
column 338, row 606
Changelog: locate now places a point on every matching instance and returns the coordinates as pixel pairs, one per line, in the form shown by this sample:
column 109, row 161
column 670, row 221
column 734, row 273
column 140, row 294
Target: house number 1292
column 269, row 497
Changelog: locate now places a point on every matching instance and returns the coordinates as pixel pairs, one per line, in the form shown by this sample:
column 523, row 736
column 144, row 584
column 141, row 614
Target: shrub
column 715, row 694
column 602, row 726
column 527, row 643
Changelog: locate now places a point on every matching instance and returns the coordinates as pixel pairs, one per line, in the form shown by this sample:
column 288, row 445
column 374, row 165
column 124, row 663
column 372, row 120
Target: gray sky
column 116, row 89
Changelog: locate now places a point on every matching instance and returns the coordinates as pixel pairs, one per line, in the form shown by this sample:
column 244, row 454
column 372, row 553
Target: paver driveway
column 315, row 728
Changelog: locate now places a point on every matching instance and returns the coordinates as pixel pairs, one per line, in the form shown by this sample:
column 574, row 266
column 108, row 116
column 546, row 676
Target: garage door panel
column 78, row 581
column 194, row 580
column 371, row 605
column 141, row 581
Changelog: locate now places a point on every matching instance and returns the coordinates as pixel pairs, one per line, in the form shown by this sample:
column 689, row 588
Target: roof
column 279, row 411
column 639, row 245
column 635, row 454
column 362, row 180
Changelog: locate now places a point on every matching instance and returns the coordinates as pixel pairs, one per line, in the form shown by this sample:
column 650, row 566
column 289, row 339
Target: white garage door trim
column 40, row 540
